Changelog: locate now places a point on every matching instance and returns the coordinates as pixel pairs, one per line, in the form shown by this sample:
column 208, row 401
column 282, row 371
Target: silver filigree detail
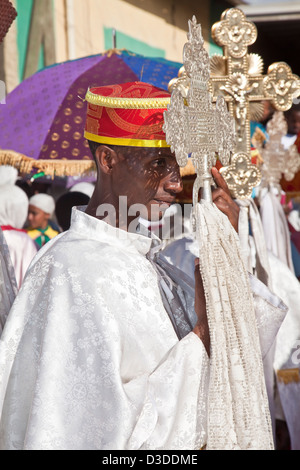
column 175, row 127
column 226, row 135
column 193, row 125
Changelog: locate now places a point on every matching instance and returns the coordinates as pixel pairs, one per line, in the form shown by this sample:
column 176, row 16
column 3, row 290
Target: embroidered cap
column 130, row 114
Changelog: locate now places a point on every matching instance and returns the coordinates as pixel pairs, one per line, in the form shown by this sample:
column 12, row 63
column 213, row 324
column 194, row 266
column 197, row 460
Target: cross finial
column 276, row 160
column 238, row 77
column 234, row 32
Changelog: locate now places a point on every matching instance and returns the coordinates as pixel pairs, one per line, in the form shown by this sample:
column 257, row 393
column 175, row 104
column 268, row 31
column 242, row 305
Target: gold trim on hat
column 126, row 142
column 127, row 103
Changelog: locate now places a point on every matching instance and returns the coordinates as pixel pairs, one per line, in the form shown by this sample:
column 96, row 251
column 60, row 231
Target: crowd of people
column 129, row 365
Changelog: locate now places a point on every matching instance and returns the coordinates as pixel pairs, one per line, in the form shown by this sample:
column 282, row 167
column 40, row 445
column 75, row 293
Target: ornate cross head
column 238, row 77
column 234, row 32
column 194, row 126
column 281, row 86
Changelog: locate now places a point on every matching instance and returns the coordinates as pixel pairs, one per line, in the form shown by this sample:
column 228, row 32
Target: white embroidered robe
column 89, row 358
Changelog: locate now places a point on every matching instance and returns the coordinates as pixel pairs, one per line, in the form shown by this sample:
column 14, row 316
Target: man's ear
column 105, row 158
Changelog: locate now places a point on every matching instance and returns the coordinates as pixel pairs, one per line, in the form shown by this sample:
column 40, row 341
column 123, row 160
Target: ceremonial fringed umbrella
column 42, row 123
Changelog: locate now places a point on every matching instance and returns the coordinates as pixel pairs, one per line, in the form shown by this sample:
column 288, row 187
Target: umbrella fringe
column 61, row 167
column 25, row 165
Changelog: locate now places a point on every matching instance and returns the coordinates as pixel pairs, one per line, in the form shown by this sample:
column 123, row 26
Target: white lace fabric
column 238, row 413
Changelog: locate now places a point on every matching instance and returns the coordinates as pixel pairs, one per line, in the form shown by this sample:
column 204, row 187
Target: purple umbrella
column 42, row 123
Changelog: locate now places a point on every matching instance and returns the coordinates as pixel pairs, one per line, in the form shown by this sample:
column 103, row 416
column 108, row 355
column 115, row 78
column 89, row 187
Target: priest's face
column 149, row 178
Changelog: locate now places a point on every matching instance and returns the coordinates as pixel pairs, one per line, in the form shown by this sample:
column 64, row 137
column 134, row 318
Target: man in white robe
column 103, row 349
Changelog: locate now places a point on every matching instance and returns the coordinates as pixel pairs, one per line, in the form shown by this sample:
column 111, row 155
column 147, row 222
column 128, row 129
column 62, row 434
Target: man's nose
column 174, row 184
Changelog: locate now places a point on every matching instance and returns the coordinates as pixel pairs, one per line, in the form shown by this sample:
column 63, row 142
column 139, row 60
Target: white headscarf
column 13, row 200
column 84, row 187
column 43, row 201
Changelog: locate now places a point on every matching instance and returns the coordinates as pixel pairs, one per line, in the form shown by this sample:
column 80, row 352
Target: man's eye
column 159, row 163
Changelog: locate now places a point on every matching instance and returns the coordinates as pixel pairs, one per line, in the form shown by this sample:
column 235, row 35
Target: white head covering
column 43, row 201
column 83, row 187
column 13, row 200
column 8, row 175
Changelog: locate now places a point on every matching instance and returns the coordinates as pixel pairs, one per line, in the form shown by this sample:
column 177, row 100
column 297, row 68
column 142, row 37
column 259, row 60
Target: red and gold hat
column 129, row 114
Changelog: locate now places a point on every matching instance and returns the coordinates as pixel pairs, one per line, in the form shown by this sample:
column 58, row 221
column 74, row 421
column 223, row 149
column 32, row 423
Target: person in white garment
column 13, row 215
column 107, row 346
